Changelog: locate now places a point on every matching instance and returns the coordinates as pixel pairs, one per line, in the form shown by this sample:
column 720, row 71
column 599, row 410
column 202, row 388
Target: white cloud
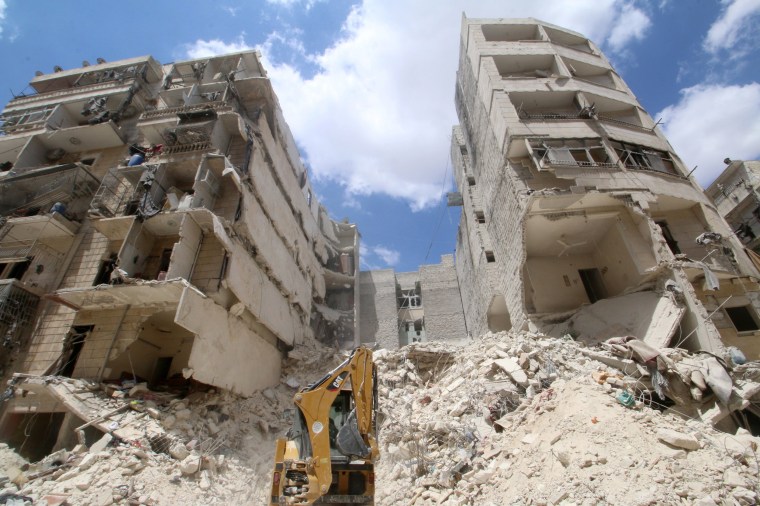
column 737, row 21
column 712, row 122
column 232, row 11
column 3, row 6
column 205, row 48
column 378, row 257
column 308, row 4
column 376, row 116
column 632, row 24
column 387, row 255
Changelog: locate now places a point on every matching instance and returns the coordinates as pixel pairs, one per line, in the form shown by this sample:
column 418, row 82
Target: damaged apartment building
column 578, row 217
column 158, row 225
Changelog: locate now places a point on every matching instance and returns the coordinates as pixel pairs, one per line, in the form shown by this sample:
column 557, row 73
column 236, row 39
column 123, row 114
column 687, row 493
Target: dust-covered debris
column 511, row 418
column 519, row 418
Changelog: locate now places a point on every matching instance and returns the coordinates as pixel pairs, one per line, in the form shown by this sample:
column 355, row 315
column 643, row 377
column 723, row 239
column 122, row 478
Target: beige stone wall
column 444, row 319
column 379, row 316
column 55, row 320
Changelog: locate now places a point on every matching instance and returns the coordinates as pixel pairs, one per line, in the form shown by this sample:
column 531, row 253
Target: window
column 490, row 258
column 643, row 158
column 15, row 270
column 471, row 180
column 743, row 318
column 570, row 152
column 409, row 299
column 480, row 217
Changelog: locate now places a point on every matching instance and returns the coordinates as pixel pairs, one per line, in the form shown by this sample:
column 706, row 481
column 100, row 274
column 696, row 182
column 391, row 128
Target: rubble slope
column 511, row 418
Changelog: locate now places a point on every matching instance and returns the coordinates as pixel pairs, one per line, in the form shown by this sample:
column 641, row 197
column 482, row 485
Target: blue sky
column 367, row 86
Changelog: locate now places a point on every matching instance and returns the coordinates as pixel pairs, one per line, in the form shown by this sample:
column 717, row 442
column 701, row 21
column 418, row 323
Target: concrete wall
column 378, row 318
column 444, row 319
column 226, row 352
column 55, row 320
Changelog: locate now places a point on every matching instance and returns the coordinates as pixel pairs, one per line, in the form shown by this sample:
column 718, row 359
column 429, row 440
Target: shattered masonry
column 578, row 218
column 158, row 225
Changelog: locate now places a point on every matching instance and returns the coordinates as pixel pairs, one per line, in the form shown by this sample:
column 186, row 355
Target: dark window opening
column 480, row 217
column 742, row 318
column 490, row 258
column 18, row 269
column 72, row 348
column 161, row 371
column 592, row 282
column 672, row 243
column 163, row 266
column 87, row 161
column 471, row 180
column 104, row 273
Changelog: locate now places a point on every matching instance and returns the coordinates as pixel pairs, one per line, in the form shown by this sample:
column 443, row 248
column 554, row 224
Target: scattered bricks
column 513, row 369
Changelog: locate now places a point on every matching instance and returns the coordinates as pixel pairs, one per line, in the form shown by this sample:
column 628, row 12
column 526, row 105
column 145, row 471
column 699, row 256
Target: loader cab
column 339, row 413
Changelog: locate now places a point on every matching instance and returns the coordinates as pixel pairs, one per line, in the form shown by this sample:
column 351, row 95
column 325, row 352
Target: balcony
column 156, row 294
column 173, row 112
column 102, row 76
column 18, row 306
column 35, row 192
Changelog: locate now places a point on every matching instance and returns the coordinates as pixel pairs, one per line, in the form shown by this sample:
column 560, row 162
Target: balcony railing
column 171, row 111
column 17, row 310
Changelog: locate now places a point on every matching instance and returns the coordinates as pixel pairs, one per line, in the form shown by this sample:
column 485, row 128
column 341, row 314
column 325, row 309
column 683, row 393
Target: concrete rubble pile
column 518, row 418
column 511, row 418
column 209, row 447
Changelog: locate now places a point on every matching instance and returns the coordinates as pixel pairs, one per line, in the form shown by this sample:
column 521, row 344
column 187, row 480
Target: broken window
column 743, row 318
column 471, row 180
column 643, row 158
column 480, row 217
column 570, row 152
column 15, row 270
column 490, row 258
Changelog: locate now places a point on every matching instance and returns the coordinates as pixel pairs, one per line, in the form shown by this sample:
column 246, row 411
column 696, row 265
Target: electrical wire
column 443, row 209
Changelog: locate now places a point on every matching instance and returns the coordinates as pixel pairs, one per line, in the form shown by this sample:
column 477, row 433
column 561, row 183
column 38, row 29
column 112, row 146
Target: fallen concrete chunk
column 190, row 465
column 88, row 461
column 678, row 439
column 179, row 451
column 718, row 379
column 513, row 369
column 101, row 444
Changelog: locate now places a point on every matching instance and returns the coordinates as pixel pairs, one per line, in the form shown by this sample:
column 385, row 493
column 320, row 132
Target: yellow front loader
column 329, row 453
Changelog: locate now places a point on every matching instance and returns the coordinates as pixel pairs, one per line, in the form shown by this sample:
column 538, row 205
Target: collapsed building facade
column 158, row 224
column 578, row 218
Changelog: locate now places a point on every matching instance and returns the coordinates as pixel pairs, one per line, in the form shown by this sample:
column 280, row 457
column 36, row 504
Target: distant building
column 158, row 224
column 410, row 307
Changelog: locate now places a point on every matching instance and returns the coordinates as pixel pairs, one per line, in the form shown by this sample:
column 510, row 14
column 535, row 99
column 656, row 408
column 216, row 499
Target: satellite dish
column 101, row 60
column 85, row 63
column 57, row 68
